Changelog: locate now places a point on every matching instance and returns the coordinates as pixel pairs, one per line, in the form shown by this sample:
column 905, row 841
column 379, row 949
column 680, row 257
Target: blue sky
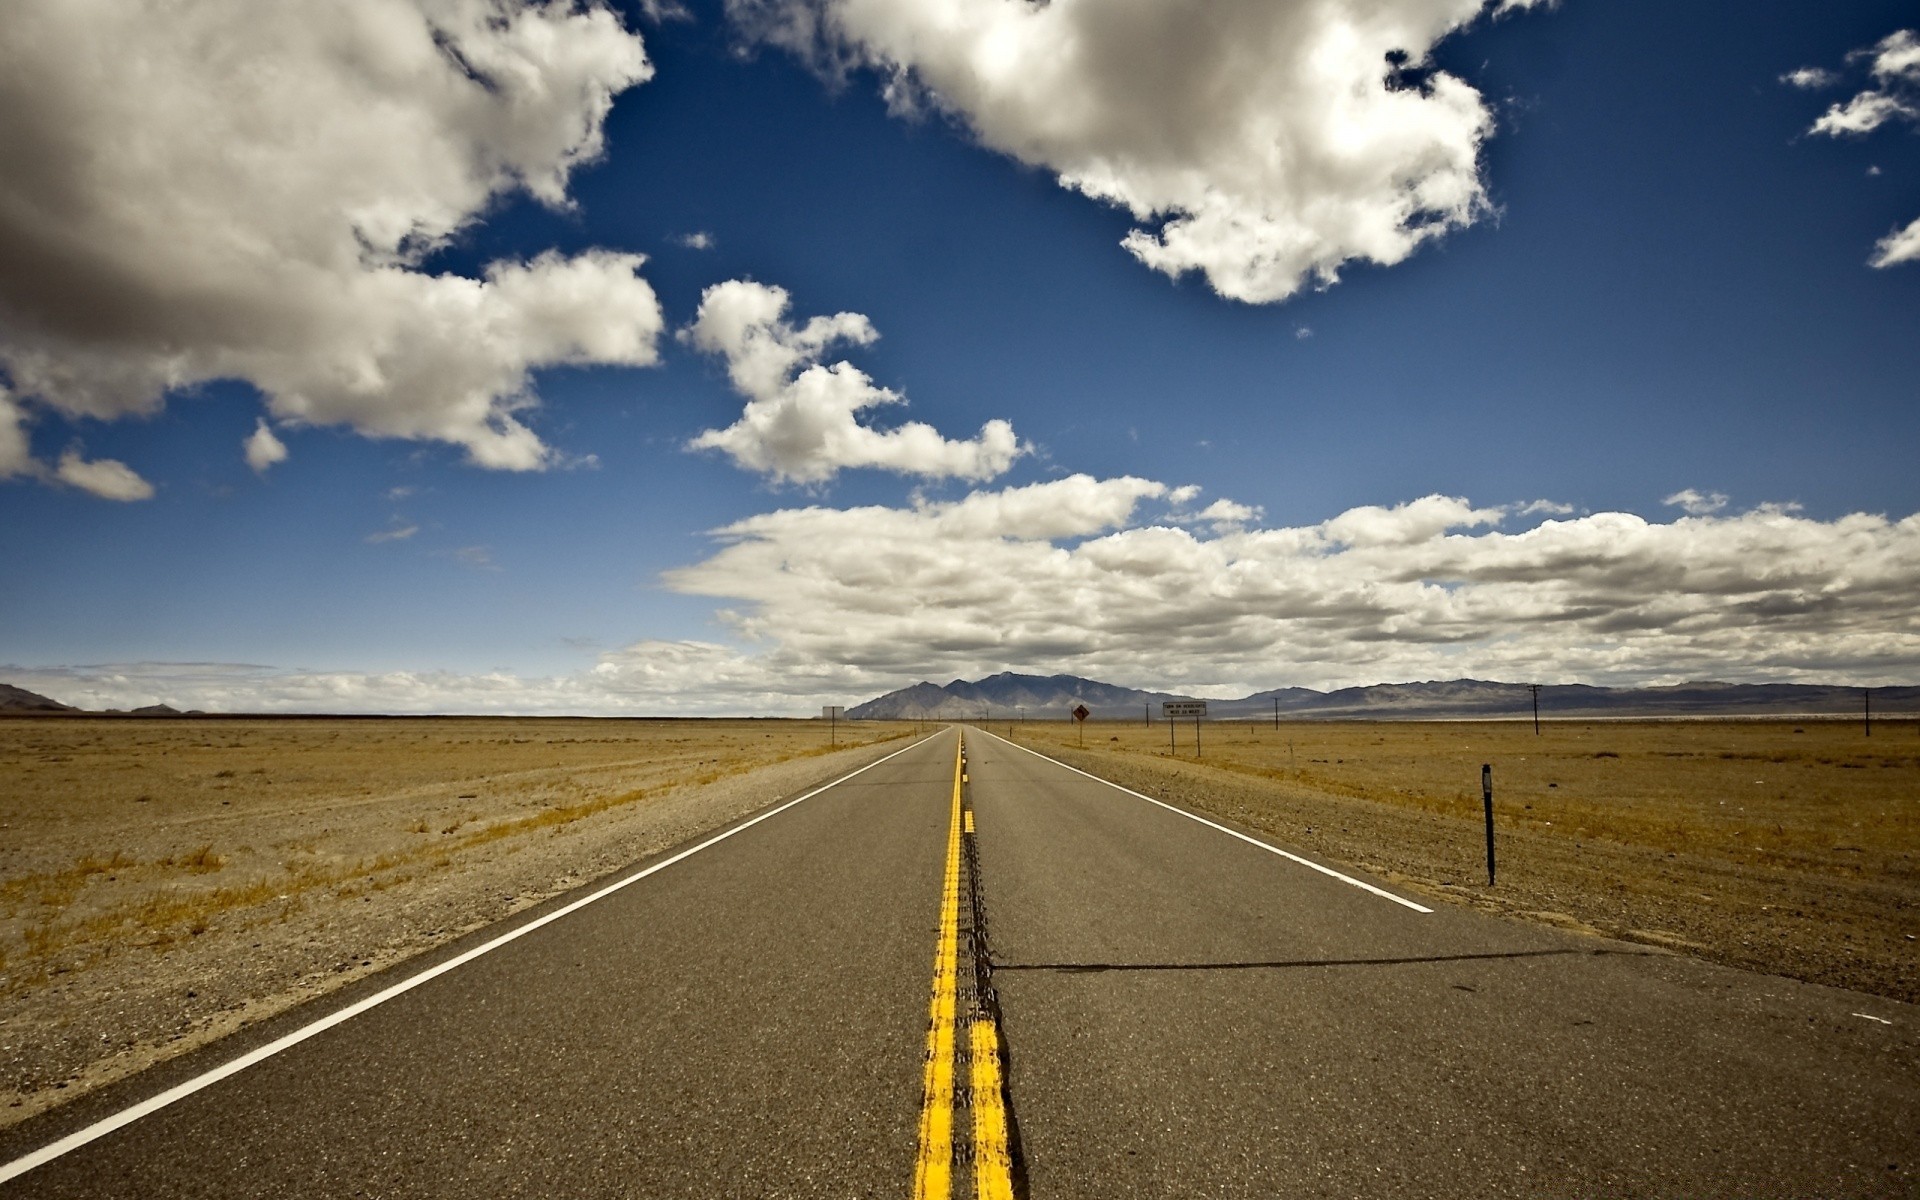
column 1642, row 412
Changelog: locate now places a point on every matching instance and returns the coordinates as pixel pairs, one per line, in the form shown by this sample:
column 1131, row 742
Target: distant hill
column 13, row 699
column 1053, row 696
column 1006, row 694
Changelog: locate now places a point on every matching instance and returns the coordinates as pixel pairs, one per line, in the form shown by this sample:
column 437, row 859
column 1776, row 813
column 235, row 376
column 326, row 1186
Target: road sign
column 1183, row 708
column 1081, row 712
column 833, row 712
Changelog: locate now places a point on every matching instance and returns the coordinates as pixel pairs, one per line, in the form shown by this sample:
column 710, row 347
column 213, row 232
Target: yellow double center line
column 992, row 1162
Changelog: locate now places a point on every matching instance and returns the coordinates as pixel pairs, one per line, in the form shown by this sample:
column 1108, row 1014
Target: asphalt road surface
column 1032, row 984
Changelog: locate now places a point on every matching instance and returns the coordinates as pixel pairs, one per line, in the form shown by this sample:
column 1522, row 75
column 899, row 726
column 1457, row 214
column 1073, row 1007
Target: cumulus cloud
column 698, row 240
column 1433, row 588
column 1263, row 144
column 106, row 478
column 1894, row 64
column 1864, row 113
column 1078, row 574
column 1902, row 245
column 1695, row 502
column 802, row 420
column 646, row 678
column 189, row 193
column 262, row 448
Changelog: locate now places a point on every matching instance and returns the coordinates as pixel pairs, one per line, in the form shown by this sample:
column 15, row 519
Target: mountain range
column 1052, row 697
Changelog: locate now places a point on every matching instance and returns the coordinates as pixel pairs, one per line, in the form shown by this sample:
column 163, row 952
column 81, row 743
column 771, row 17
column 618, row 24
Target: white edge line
column 1251, row 841
column 181, row 1091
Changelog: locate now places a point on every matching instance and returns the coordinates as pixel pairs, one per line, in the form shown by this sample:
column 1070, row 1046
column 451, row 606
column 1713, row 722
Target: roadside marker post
column 1080, row 714
column 1486, row 795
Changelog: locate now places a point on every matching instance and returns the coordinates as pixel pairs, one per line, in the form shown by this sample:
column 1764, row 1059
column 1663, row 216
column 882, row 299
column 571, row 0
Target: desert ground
column 163, row 882
column 1788, row 847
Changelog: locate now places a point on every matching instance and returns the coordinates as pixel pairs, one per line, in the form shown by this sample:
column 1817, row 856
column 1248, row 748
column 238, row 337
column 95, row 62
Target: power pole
column 1535, row 688
column 1866, row 700
column 1276, row 714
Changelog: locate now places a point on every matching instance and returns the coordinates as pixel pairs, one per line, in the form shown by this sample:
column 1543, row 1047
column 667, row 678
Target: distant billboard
column 1183, row 708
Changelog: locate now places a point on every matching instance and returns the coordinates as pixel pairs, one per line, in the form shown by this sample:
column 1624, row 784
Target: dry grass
column 122, row 834
column 1789, row 846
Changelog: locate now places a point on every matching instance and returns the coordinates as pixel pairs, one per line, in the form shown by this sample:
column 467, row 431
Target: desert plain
column 164, row 881
column 1786, row 847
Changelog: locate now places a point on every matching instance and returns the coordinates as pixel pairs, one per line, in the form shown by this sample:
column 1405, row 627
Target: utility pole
column 1866, row 701
column 1535, row 688
column 1276, row 714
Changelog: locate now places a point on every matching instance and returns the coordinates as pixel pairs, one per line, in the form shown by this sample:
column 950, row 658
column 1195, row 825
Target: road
column 1029, row 983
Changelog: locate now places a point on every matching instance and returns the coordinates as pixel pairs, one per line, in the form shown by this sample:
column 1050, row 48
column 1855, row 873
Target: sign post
column 1173, row 710
column 1486, row 795
column 833, row 713
column 1080, row 714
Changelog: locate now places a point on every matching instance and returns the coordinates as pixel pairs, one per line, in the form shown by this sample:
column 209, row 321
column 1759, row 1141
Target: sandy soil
column 164, row 882
column 1792, row 849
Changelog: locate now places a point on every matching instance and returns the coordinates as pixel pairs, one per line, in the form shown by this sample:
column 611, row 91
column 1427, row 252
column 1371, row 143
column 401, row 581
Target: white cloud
column 1902, row 245
column 698, row 240
column 1697, row 503
column 262, row 448
column 1864, row 113
column 1896, row 57
column 1810, row 78
column 1550, row 507
column 1263, row 144
column 801, row 422
column 106, row 478
column 398, row 533
column 193, row 193
column 1895, row 66
column 836, row 605
column 1427, row 589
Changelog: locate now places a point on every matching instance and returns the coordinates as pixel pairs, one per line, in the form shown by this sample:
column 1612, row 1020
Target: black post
column 1173, row 745
column 1149, row 709
column 1196, row 737
column 1536, row 708
column 1486, row 794
column 1276, row 714
column 1866, row 701
column 833, row 724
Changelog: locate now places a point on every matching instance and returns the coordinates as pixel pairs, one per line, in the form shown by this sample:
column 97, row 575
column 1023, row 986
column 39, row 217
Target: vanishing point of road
column 979, row 972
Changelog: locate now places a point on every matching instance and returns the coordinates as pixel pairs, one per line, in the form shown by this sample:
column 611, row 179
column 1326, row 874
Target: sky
column 743, row 357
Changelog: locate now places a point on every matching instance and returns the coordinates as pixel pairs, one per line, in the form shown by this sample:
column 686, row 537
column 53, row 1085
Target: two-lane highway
column 992, row 975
